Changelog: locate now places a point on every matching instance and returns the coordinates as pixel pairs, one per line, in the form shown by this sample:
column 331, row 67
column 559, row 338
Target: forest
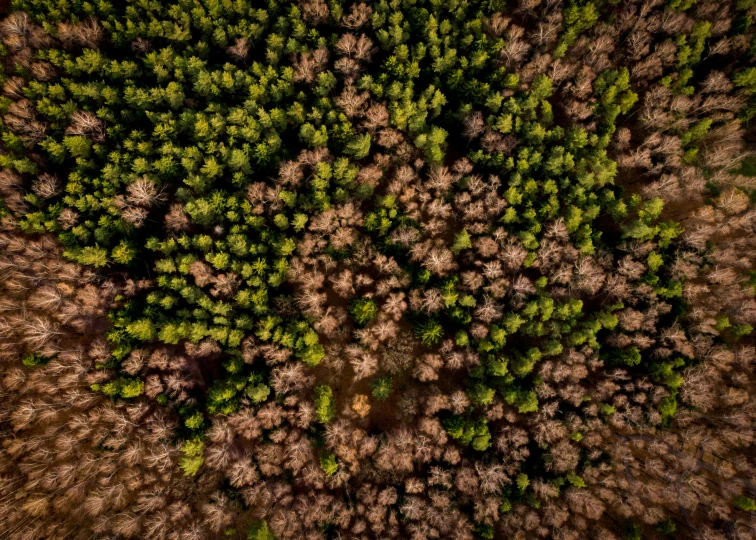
column 393, row 269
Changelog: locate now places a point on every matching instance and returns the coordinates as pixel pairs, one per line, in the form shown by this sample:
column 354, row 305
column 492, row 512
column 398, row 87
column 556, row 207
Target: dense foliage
column 400, row 269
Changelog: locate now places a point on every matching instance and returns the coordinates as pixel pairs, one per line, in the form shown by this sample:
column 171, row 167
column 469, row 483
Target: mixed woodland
column 413, row 269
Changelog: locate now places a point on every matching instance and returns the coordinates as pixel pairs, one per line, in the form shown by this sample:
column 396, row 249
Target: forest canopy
column 470, row 269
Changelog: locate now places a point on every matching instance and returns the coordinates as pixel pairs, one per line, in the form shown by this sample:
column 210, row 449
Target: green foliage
column 527, row 402
column 312, row 355
column 522, row 481
column 484, row 531
column 632, row 531
column 89, row 256
column 468, row 432
column 359, row 147
column 192, row 459
column 681, row 5
column 575, row 480
column 258, row 393
column 429, row 332
column 667, row 527
column 329, row 464
column 481, row 395
column 629, row 356
column 696, row 132
column 668, row 407
column 124, row 387
column 363, row 310
column 131, row 388
column 195, row 421
column 607, row 409
column 745, row 503
column 461, row 241
column 142, row 329
column 260, row 531
column 325, row 408
column 746, row 79
column 34, row 360
column 382, row 387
